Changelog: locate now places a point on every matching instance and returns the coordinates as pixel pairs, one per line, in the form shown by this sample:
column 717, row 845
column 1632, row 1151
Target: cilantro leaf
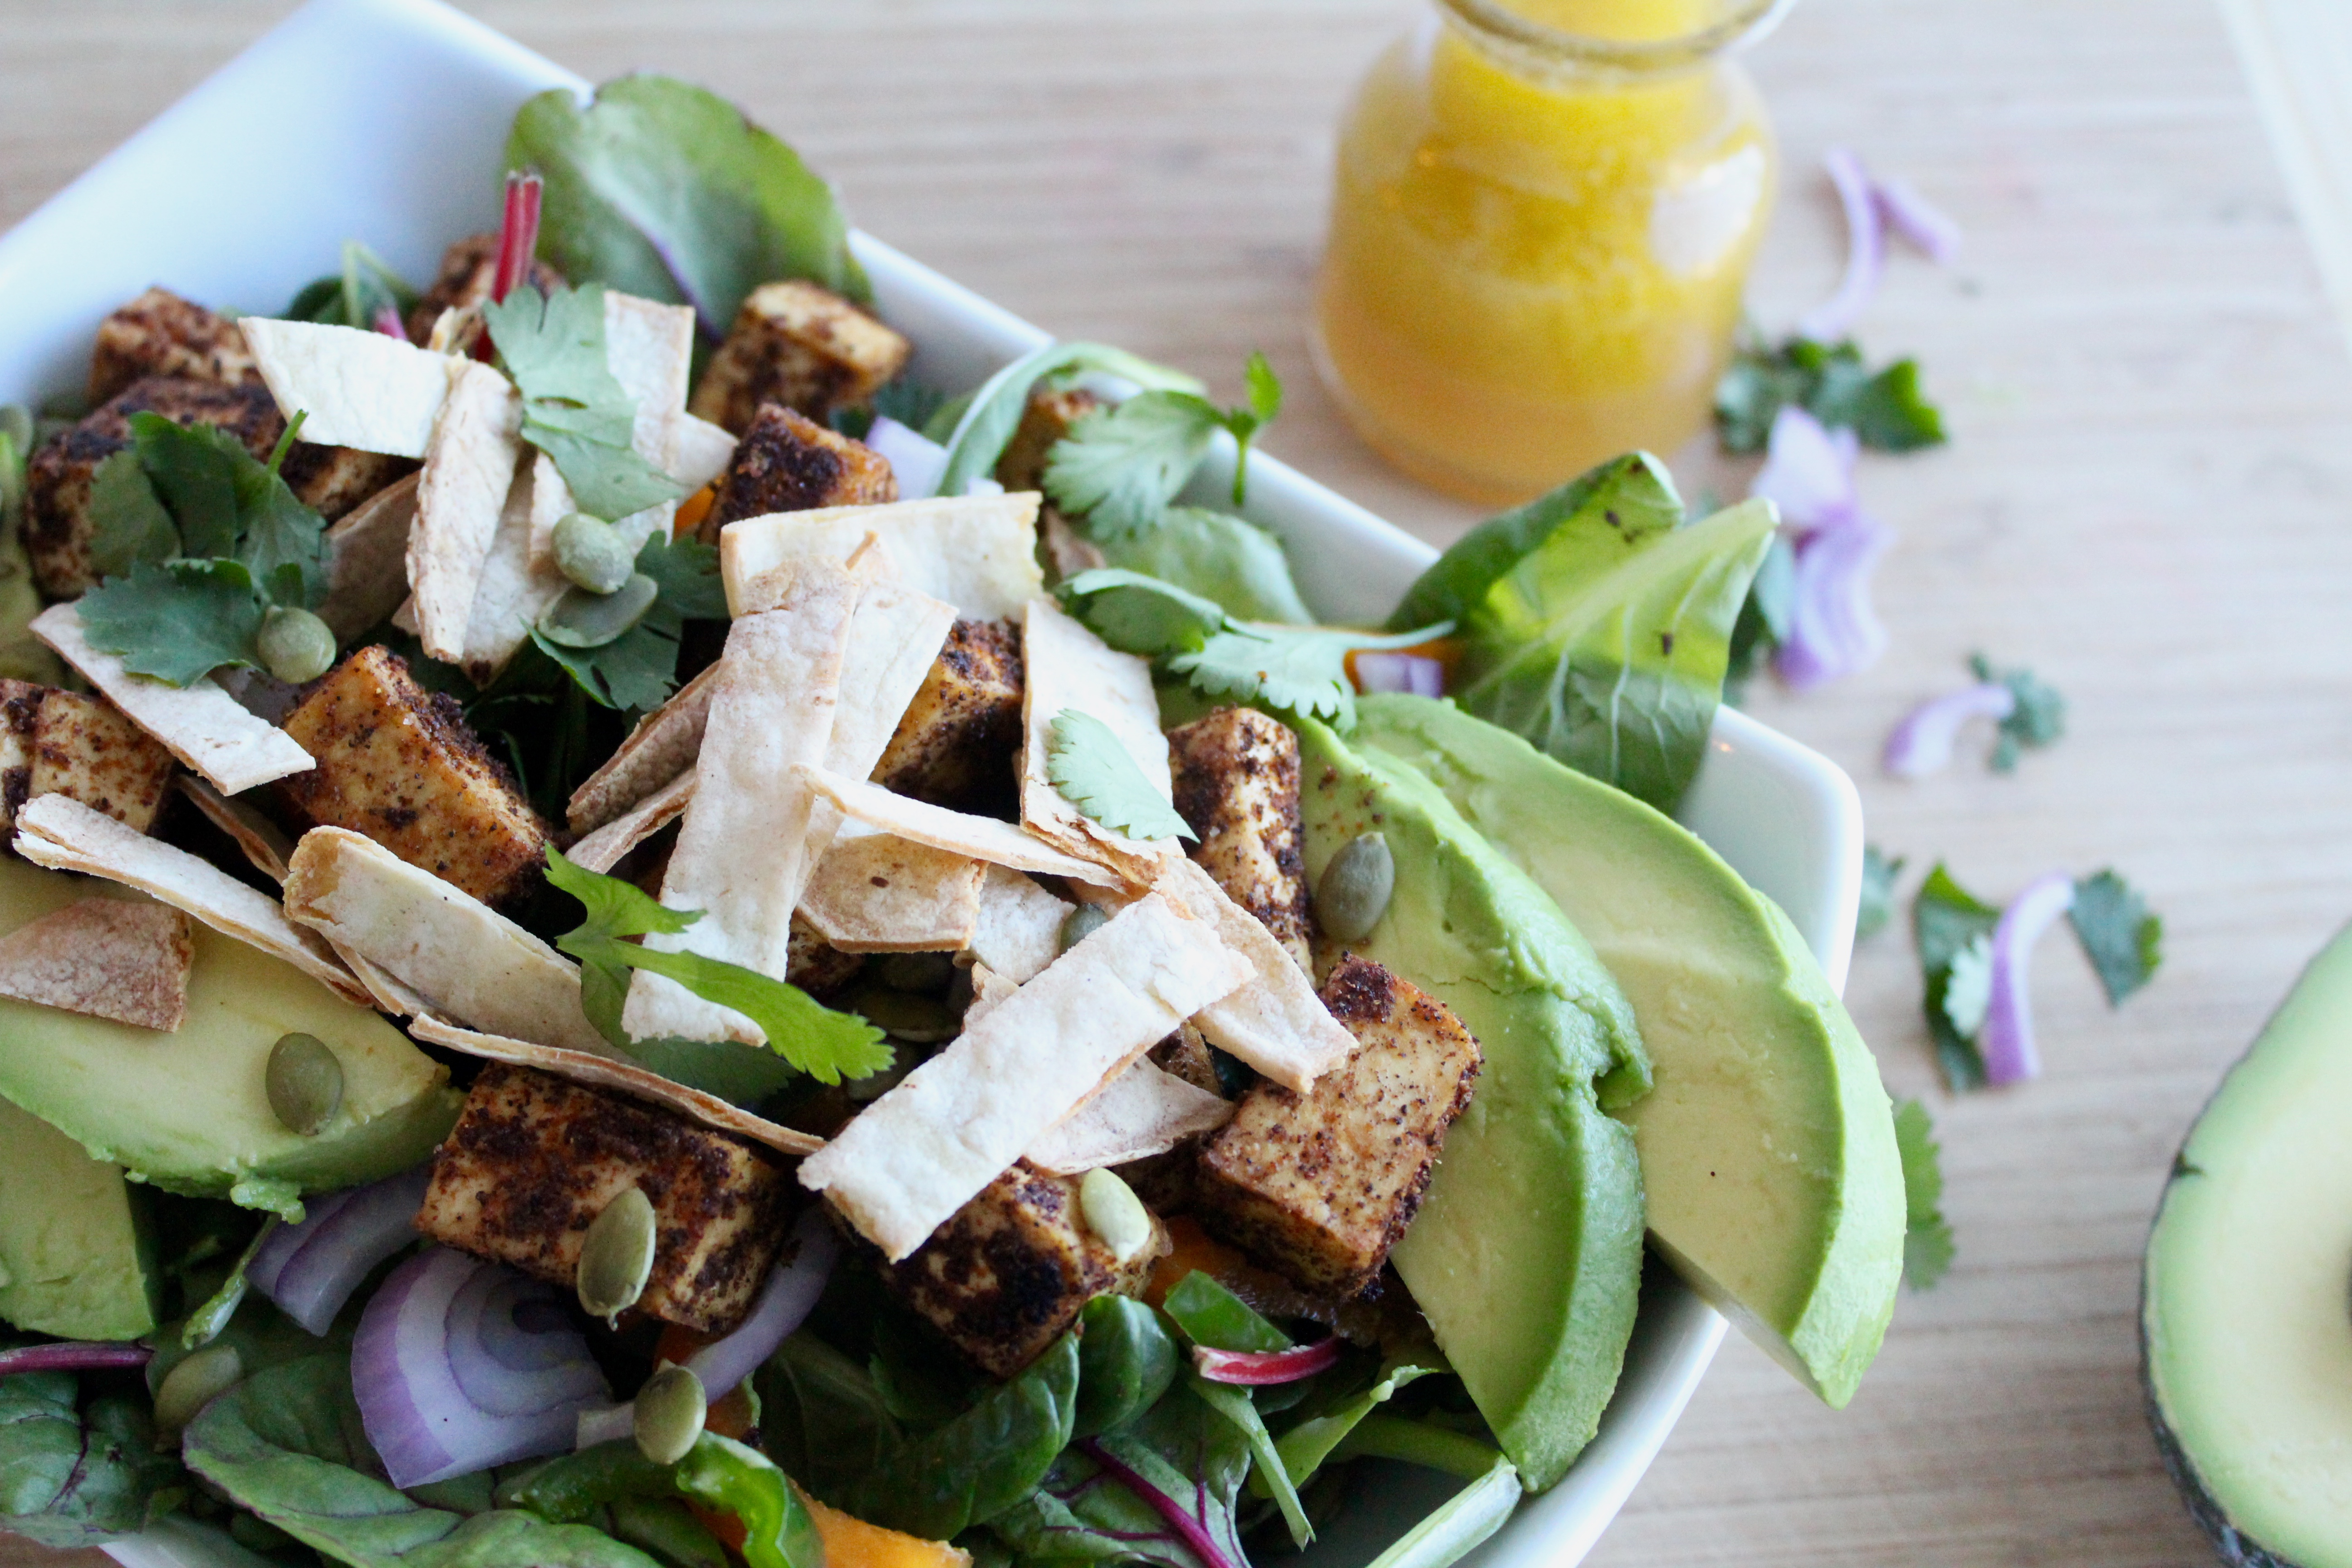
column 826, row 1045
column 226, row 504
column 2039, row 718
column 194, row 468
column 127, row 523
column 573, row 408
column 1885, row 408
column 2123, row 940
column 1968, row 987
column 1877, row 905
column 1119, row 467
column 638, row 669
column 177, row 622
column 1139, row 614
column 984, row 419
column 1928, row 1246
column 1945, row 920
column 1264, row 407
column 1093, row 772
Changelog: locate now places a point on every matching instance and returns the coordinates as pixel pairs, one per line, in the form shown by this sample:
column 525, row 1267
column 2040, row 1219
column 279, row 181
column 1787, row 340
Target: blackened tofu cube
column 1045, row 420
column 786, row 462
column 159, row 334
column 534, row 1160
column 333, row 480
column 1008, row 1274
column 800, row 345
column 398, row 765
column 62, row 742
column 1236, row 780
column 469, row 268
column 1320, row 1185
column 957, row 743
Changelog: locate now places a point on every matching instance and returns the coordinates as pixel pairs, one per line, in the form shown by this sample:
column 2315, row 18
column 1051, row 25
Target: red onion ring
column 1922, row 743
column 1926, row 226
column 310, row 1269
column 1833, row 630
column 1865, row 253
column 1409, row 673
column 2006, row 1041
column 916, row 461
column 784, row 1304
column 1256, row 1369
column 1807, row 471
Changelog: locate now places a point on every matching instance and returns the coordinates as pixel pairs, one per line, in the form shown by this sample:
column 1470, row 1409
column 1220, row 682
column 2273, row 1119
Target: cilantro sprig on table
column 1085, row 763
column 1120, row 467
column 826, row 1045
column 2038, row 720
column 1884, row 407
column 573, row 408
column 1927, row 1245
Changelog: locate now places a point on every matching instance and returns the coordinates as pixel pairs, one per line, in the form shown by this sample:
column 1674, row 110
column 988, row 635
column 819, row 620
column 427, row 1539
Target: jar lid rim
column 1493, row 23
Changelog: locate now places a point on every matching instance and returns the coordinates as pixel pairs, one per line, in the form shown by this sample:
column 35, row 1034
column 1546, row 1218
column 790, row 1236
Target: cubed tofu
column 814, row 964
column 62, row 742
column 958, row 743
column 1236, row 779
column 786, row 462
column 1045, row 420
column 800, row 345
column 468, row 269
column 1320, row 1185
column 329, row 479
column 398, row 765
column 1009, row 1274
column 159, row 334
column 534, row 1160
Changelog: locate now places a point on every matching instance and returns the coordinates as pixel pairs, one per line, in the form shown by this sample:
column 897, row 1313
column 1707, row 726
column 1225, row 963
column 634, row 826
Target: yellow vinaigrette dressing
column 1541, row 224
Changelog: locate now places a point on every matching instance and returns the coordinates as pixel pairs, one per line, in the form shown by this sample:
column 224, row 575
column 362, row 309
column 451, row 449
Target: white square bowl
column 385, row 121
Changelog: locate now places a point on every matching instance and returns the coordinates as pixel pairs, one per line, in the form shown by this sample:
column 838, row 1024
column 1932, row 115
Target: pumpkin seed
column 616, row 1255
column 295, row 646
column 1115, row 1213
column 197, row 1382
column 1081, row 924
column 669, row 1410
column 593, row 553
column 582, row 619
column 1356, row 887
column 922, row 973
column 304, row 1081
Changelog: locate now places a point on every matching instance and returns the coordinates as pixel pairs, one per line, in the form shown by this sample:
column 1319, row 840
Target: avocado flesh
column 1526, row 1253
column 75, row 1259
column 2246, row 1309
column 187, row 1111
column 1768, row 1144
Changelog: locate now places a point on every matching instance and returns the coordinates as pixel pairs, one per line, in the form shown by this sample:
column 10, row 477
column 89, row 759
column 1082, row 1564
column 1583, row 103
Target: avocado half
column 2246, row 1304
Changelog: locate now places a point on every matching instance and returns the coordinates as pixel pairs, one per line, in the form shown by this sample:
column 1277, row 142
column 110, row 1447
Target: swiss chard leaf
column 1885, row 408
column 1927, row 1248
column 1094, row 772
column 178, row 622
column 1082, row 1513
column 1877, row 904
column 823, row 1416
column 1220, row 557
column 573, row 408
column 665, row 189
column 2121, row 937
column 75, row 1473
column 1126, row 1362
column 1266, row 1465
column 988, row 416
column 2037, row 719
column 1947, row 920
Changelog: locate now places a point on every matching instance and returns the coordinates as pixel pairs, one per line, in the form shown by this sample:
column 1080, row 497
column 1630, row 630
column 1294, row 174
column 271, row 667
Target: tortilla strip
column 59, row 832
column 663, row 745
column 1065, row 666
column 1020, row 927
column 602, row 851
column 264, row 847
column 742, row 854
column 919, row 1153
column 959, row 833
column 201, row 724
column 512, row 589
column 649, row 347
column 1141, row 1112
column 893, row 643
column 105, row 958
column 362, row 389
column 977, row 553
column 367, row 561
column 702, row 452
column 469, row 467
column 622, row 1076
column 873, row 892
column 461, row 956
column 1275, row 1023
column 989, row 990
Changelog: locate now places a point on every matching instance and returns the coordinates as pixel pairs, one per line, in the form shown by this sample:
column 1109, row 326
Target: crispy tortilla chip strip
column 919, row 1153
column 704, row 450
column 742, row 854
column 989, row 990
column 959, row 833
column 874, row 892
column 107, row 958
column 1141, row 1112
column 201, row 724
column 264, row 845
column 512, row 590
column 361, row 389
column 650, row 348
column 59, row 832
column 663, row 745
column 469, row 467
column 621, row 1075
column 1065, row 666
column 977, row 553
column 1020, row 927
column 463, row 958
column 367, row 561
column 602, row 851
column 893, row 642
column 1275, row 1023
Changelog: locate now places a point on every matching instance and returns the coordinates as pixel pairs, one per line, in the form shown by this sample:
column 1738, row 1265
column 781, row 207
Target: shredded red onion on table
column 1927, row 228
column 1258, row 1369
column 1412, row 674
column 1922, row 743
column 2006, row 1040
column 72, row 1355
column 1808, row 474
column 916, row 461
column 1872, row 207
column 310, row 1269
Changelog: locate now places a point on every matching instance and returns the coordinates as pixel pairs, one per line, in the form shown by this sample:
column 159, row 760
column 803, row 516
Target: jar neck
column 1539, row 49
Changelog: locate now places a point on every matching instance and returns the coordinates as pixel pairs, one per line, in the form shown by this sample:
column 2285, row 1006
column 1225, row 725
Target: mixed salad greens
column 1023, row 1049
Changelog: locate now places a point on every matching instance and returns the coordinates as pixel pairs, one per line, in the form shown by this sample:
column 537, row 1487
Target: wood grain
column 2146, row 497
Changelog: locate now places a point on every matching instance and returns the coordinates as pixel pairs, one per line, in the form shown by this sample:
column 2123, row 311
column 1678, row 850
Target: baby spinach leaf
column 1212, row 1315
column 989, row 416
column 1126, row 1362
column 177, row 622
column 573, row 408
column 1309, row 1442
column 1764, row 618
column 2120, row 936
column 73, row 1474
column 1928, row 1248
column 1945, row 920
column 662, row 189
column 1193, row 1457
column 1238, row 563
column 1093, row 772
column 822, row 1416
column 1266, row 1467
column 1459, row 1524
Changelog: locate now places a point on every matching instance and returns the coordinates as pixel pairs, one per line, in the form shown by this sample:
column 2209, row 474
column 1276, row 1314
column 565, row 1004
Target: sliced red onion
column 518, row 235
column 1409, row 673
column 1866, row 251
column 388, row 323
column 784, row 1304
column 1256, row 1369
column 916, row 461
column 1807, row 471
column 1833, row 630
column 435, row 1400
column 72, row 1355
column 2006, row 1041
column 1926, row 226
column 310, row 1269
column 1922, row 743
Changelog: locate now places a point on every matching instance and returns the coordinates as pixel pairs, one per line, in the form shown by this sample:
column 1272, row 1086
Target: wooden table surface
column 2145, row 497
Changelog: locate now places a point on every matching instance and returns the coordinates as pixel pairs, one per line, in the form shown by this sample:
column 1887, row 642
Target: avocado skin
column 1806, row 1259
column 58, row 1205
column 1526, row 1253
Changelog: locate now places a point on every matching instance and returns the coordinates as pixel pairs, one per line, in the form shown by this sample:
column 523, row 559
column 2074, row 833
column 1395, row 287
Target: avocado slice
column 1526, row 1253
column 2246, row 1306
column 75, row 1258
column 187, row 1111
column 1768, row 1144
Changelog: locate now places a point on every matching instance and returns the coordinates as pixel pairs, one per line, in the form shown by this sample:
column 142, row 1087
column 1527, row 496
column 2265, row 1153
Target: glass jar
column 1542, row 221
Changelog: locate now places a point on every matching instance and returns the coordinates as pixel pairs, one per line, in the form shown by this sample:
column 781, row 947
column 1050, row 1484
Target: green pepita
column 304, row 1081
column 197, row 1382
column 669, row 1410
column 926, row 973
column 593, row 553
column 1354, row 892
column 1081, row 924
column 616, row 1255
column 295, row 646
column 1114, row 1212
column 582, row 619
